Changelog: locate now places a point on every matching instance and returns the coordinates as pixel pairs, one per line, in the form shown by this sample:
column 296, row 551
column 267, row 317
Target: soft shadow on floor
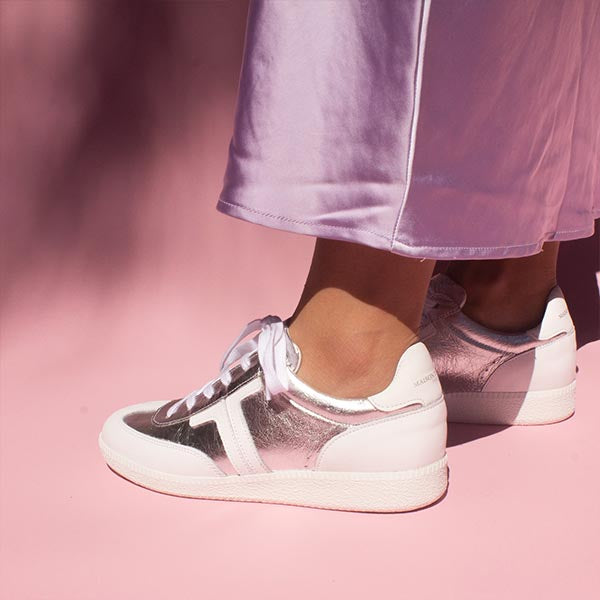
column 462, row 433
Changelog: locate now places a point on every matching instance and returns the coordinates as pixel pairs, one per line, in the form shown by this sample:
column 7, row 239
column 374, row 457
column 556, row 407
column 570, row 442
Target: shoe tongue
column 294, row 356
column 446, row 290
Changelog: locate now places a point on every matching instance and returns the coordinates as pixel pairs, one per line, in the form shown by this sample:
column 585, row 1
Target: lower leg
column 507, row 294
column 359, row 311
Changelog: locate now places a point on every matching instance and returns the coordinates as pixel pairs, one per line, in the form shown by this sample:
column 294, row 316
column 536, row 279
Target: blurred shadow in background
column 93, row 96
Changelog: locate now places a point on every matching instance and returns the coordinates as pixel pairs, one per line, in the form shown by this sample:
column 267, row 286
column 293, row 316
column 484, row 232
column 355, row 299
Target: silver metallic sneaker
column 259, row 433
column 490, row 377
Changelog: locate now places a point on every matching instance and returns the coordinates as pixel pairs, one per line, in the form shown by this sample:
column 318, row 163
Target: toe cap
column 149, row 451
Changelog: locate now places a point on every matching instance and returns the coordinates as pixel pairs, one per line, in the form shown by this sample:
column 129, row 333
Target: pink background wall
column 121, row 283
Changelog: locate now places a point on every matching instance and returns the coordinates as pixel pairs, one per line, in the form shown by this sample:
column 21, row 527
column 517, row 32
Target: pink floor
column 520, row 520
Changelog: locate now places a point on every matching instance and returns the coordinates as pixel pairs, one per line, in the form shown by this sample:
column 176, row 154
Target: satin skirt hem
column 480, row 143
column 315, row 228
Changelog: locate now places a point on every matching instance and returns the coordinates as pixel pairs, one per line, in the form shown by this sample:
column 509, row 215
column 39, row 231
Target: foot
column 259, row 433
column 525, row 378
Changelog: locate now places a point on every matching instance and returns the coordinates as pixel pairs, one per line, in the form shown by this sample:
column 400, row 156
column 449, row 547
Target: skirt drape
column 445, row 130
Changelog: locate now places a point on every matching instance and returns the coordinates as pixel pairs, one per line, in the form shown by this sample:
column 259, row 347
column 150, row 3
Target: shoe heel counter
column 406, row 441
column 557, row 318
column 555, row 362
column 415, row 382
column 549, row 366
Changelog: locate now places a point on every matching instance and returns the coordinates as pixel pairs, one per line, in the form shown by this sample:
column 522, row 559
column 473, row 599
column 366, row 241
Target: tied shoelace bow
column 271, row 347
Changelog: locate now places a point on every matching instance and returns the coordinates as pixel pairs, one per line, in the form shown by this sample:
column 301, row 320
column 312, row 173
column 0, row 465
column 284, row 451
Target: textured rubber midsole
column 373, row 492
column 512, row 408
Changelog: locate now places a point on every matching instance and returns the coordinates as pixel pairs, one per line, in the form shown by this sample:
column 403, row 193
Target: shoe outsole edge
column 400, row 491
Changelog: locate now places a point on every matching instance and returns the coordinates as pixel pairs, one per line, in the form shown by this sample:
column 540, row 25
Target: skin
column 361, row 309
column 507, row 295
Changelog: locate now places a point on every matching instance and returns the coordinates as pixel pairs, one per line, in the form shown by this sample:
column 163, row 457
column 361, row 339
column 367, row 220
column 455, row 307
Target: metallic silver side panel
column 205, row 438
column 285, row 436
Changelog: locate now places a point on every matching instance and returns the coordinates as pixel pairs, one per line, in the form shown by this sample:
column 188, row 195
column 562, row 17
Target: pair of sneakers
column 259, row 433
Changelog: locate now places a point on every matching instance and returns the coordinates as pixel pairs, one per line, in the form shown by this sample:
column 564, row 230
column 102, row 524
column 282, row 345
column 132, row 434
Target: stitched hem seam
column 225, row 207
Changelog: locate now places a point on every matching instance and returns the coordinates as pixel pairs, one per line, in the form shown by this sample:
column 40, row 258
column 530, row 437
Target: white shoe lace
column 271, row 344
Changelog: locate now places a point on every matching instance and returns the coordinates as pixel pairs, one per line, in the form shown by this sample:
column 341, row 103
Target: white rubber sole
column 512, row 408
column 364, row 492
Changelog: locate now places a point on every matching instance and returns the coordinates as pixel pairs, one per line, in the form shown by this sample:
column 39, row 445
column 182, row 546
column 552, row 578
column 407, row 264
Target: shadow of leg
column 462, row 433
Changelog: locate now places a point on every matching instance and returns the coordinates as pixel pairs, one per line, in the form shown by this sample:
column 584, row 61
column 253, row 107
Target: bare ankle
column 351, row 363
column 497, row 308
column 359, row 311
column 507, row 295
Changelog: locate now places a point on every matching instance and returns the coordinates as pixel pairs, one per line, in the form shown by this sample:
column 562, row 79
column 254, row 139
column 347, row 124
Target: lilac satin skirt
column 440, row 129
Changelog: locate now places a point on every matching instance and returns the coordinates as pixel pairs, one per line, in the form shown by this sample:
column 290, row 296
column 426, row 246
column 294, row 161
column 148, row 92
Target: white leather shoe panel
column 546, row 367
column 557, row 318
column 415, row 381
column 233, row 429
column 397, row 443
column 150, row 452
column 243, row 438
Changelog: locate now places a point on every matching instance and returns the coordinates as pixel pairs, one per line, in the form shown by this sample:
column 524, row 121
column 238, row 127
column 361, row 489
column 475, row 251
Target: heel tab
column 415, row 381
column 556, row 319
